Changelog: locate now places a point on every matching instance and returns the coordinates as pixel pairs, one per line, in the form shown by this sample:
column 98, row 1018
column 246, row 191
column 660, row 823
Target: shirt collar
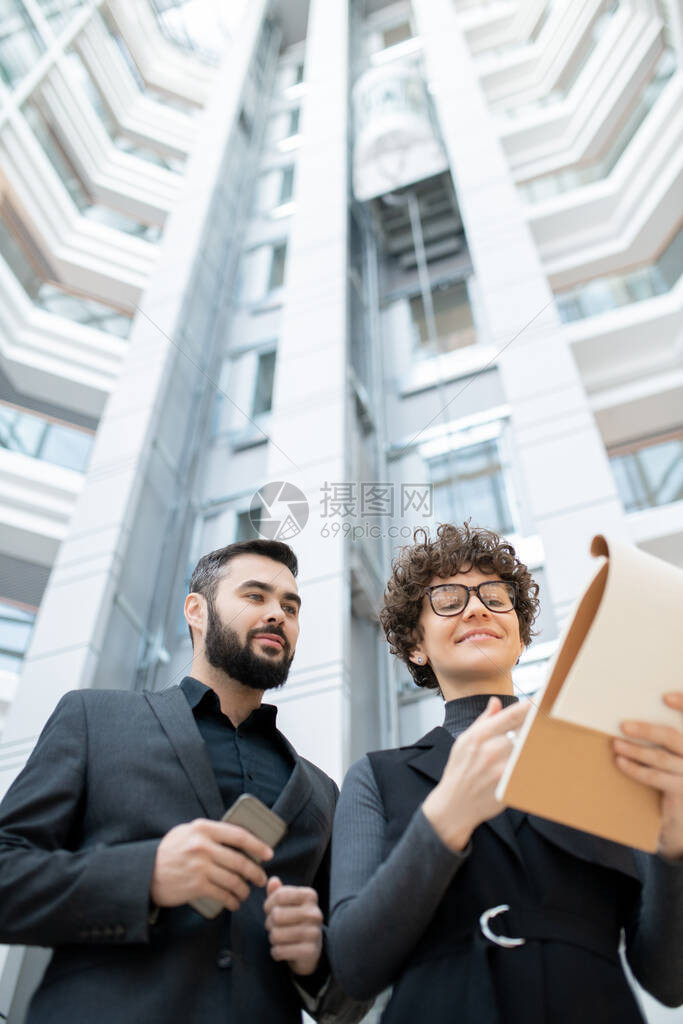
column 263, row 718
column 460, row 713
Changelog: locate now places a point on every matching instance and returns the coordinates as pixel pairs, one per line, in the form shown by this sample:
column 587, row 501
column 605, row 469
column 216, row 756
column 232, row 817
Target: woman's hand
column 661, row 767
column 465, row 796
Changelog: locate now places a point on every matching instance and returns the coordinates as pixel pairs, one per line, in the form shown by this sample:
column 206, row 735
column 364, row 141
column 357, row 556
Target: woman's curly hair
column 454, row 549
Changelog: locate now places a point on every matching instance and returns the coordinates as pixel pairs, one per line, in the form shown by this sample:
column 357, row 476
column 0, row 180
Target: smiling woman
column 464, row 907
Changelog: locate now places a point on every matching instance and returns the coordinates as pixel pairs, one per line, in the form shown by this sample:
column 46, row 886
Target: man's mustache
column 274, row 631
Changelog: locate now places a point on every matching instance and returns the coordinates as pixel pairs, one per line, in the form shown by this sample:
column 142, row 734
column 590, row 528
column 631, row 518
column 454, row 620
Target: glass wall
column 42, row 438
column 574, row 177
column 605, row 293
column 20, row 42
column 649, row 473
column 29, row 268
column 452, row 316
column 468, row 482
column 16, row 626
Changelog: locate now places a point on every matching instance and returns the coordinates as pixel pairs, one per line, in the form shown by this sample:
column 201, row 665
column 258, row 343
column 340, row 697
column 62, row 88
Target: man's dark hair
column 454, row 549
column 210, row 568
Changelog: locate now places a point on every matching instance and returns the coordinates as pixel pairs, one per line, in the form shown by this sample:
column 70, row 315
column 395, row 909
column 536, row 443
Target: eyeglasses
column 453, row 598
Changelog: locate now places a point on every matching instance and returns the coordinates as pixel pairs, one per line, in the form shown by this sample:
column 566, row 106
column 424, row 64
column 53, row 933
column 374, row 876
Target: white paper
column 632, row 653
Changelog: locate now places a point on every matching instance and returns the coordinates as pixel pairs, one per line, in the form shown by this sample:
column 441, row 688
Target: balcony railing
column 649, row 473
column 606, row 293
column 42, row 438
column 569, row 178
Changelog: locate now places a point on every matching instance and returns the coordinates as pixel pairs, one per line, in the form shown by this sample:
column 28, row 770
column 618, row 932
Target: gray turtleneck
column 370, row 894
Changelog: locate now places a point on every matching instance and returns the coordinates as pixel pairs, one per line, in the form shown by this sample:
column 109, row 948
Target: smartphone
column 248, row 812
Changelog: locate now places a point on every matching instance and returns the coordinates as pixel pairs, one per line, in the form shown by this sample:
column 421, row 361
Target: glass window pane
column 20, row 42
column 245, row 530
column 286, row 184
column 277, row 267
column 263, row 391
column 67, row 447
column 470, row 482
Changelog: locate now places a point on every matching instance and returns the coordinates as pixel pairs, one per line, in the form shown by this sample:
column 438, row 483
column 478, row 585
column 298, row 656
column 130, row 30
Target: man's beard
column 224, row 651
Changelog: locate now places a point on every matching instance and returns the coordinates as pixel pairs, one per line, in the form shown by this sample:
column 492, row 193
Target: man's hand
column 660, row 766
column 294, row 922
column 207, row 859
column 465, row 796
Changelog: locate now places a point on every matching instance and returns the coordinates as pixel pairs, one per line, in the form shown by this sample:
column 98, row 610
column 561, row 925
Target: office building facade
column 330, row 271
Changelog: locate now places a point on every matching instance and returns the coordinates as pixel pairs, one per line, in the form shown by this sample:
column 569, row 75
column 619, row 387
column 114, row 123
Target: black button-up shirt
column 252, row 758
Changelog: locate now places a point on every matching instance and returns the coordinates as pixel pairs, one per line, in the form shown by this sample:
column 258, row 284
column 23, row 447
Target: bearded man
column 112, row 830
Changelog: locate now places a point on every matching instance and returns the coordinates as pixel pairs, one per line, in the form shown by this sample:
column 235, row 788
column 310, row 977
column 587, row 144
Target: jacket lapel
column 176, row 719
column 430, row 760
column 298, row 788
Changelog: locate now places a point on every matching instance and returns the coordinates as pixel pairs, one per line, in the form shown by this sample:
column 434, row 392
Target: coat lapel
column 176, row 719
column 430, row 760
column 298, row 788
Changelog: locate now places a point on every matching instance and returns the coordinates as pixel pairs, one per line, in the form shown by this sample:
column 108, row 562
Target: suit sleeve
column 56, row 889
column 654, row 937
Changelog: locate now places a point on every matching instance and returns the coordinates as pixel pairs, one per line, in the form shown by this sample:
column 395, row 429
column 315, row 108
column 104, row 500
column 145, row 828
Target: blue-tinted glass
column 67, row 447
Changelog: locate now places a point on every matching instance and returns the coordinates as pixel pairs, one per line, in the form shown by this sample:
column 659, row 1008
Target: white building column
column 309, row 423
column 571, row 491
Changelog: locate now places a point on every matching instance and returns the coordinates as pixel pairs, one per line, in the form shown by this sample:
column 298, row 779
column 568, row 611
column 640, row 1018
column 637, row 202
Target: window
column 53, row 146
column 20, row 42
column 247, row 523
column 298, row 73
column 649, row 473
column 42, row 438
column 263, row 388
column 286, row 184
column 397, row 34
column 470, row 482
column 278, row 260
column 16, row 627
column 59, row 12
column 294, row 118
column 606, row 293
column 26, row 263
column 453, row 319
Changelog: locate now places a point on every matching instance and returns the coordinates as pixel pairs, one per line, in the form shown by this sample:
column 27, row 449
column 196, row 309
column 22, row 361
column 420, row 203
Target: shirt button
column 224, row 959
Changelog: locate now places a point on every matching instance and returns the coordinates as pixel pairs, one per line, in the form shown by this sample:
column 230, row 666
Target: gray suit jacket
column 111, row 773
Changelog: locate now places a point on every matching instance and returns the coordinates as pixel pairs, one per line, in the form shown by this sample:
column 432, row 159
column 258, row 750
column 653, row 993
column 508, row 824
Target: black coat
column 111, row 773
column 569, row 894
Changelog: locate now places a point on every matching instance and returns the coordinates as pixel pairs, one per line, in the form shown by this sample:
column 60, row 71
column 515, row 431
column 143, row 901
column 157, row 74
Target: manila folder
column 565, row 771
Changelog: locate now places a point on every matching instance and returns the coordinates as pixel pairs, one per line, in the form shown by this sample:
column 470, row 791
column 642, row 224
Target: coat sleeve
column 55, row 888
column 654, row 936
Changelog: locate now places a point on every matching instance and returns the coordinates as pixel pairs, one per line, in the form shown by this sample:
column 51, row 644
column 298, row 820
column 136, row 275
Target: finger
column 657, row 757
column 663, row 735
column 223, row 896
column 229, row 882
column 292, row 916
column 239, row 838
column 511, row 717
column 296, row 951
column 291, row 895
column 674, row 700
column 663, row 781
column 294, row 936
column 232, row 860
column 273, row 885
